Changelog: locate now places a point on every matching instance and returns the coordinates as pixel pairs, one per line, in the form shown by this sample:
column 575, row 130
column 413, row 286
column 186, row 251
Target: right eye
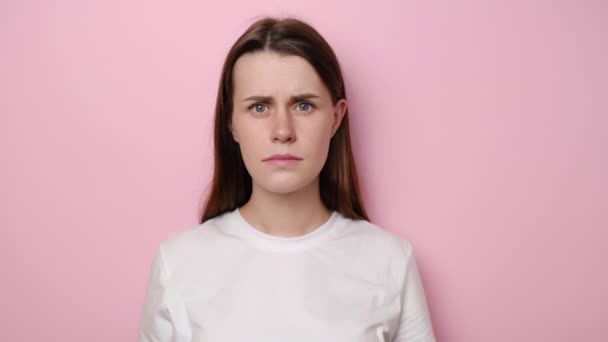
column 257, row 107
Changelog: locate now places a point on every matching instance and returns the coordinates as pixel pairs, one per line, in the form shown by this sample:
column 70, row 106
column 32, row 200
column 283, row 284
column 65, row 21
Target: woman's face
column 281, row 106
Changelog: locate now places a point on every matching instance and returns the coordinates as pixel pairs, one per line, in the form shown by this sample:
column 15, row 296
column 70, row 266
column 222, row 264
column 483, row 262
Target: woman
column 285, row 250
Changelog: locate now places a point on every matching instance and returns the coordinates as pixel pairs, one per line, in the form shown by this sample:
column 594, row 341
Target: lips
column 282, row 157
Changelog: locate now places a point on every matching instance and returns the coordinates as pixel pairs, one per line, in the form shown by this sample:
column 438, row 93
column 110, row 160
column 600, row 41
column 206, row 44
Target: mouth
column 283, row 160
column 282, row 157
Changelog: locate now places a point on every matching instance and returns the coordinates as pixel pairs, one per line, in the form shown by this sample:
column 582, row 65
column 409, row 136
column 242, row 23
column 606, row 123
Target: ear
column 339, row 112
column 232, row 132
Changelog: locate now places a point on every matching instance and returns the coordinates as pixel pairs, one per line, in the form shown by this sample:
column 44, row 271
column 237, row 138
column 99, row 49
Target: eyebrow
column 266, row 99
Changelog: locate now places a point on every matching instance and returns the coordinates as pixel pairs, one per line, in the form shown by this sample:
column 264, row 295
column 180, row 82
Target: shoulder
column 374, row 236
column 376, row 246
column 374, row 252
column 196, row 244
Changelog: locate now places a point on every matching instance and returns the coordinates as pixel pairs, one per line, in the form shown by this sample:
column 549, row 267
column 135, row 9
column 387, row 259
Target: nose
column 283, row 129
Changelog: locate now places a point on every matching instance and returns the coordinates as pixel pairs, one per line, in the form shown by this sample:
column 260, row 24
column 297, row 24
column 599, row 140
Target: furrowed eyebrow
column 267, row 99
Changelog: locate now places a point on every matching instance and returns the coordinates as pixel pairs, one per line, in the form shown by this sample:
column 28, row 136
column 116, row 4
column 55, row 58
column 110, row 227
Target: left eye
column 306, row 106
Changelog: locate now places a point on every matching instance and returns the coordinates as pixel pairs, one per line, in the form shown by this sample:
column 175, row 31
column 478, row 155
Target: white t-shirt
column 225, row 281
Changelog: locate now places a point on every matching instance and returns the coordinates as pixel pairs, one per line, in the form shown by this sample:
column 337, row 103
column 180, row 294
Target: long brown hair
column 338, row 181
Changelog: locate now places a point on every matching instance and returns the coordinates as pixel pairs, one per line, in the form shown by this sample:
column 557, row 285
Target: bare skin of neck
column 286, row 214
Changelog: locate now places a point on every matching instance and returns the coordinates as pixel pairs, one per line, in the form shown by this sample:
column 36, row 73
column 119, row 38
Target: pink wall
column 480, row 129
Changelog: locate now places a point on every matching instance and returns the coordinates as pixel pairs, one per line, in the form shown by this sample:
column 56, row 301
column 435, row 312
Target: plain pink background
column 479, row 127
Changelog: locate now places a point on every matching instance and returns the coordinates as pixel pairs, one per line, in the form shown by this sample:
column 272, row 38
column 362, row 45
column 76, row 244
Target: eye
column 257, row 106
column 307, row 106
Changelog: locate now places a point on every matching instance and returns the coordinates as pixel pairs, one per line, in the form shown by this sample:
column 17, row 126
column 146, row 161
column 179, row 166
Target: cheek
column 319, row 145
column 248, row 137
column 251, row 159
column 323, row 134
column 249, row 147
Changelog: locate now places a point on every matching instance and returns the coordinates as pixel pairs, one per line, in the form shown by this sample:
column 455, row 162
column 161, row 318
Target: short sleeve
column 414, row 322
column 160, row 314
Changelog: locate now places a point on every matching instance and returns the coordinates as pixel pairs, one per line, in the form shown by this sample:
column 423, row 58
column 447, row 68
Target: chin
column 283, row 186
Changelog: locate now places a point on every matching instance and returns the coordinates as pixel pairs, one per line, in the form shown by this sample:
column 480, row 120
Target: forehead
column 269, row 73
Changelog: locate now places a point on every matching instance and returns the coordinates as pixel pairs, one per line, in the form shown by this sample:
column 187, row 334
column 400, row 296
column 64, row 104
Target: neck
column 286, row 214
